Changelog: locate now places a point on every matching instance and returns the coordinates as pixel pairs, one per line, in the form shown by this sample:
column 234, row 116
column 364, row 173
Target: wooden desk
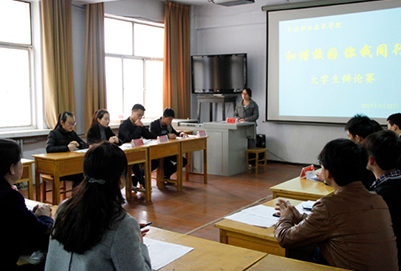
column 191, row 144
column 57, row 165
column 27, row 175
column 301, row 189
column 252, row 237
column 277, row 263
column 69, row 163
column 207, row 255
column 162, row 150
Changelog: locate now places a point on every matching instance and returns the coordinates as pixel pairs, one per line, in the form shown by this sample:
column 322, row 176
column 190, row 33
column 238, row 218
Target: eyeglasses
column 72, row 124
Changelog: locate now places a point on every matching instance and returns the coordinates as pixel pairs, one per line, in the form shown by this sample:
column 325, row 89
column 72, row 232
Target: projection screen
column 328, row 63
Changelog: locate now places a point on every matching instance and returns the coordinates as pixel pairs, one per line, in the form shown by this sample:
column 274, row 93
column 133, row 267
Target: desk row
column 58, row 165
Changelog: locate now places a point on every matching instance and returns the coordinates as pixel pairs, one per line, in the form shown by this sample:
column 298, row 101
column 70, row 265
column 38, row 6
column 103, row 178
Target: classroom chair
column 49, row 179
column 256, row 157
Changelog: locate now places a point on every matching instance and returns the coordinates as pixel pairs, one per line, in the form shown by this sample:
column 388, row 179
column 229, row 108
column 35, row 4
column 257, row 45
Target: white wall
column 242, row 29
column 151, row 10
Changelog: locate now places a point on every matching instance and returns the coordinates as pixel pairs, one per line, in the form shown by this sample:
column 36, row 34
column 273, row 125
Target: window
column 134, row 66
column 16, row 67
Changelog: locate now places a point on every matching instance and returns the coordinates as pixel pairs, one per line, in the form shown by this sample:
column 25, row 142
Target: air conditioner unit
column 228, row 3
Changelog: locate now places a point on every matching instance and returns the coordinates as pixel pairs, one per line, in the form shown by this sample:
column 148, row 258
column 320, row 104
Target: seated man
column 394, row 123
column 132, row 128
column 384, row 149
column 161, row 127
column 358, row 128
column 351, row 229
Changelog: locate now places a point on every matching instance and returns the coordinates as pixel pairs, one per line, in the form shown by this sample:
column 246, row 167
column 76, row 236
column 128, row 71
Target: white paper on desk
column 126, row 146
column 146, row 141
column 259, row 215
column 162, row 253
column 30, row 204
column 83, row 150
column 301, row 209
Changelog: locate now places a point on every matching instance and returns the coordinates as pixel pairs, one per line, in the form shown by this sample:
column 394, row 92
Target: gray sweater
column 249, row 112
column 120, row 249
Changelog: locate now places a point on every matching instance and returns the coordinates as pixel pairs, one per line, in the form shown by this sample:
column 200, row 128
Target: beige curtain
column 95, row 80
column 176, row 70
column 58, row 78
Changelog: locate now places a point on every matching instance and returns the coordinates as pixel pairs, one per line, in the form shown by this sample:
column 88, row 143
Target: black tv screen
column 219, row 73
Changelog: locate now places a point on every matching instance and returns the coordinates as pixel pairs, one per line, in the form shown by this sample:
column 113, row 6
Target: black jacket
column 19, row 227
column 390, row 191
column 157, row 129
column 128, row 131
column 93, row 135
column 58, row 140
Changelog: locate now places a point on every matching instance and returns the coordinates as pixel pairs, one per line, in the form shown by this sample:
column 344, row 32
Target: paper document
column 305, row 207
column 83, row 150
column 126, row 146
column 259, row 215
column 162, row 253
column 30, row 204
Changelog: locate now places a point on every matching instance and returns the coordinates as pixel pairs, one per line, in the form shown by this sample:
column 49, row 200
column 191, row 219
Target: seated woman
column 100, row 129
column 92, row 230
column 20, row 228
column 63, row 138
column 352, row 228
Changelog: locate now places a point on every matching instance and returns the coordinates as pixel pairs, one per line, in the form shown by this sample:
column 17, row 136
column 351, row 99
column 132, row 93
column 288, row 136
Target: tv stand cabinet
column 216, row 99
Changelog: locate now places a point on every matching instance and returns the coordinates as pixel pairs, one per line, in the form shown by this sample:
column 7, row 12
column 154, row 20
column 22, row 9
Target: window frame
column 35, row 73
column 133, row 56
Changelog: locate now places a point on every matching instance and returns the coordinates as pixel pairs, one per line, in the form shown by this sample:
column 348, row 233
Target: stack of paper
column 162, row 253
column 258, row 215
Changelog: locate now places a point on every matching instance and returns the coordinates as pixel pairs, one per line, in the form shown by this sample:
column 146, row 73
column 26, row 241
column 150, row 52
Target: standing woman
column 247, row 109
column 100, row 129
column 63, row 138
column 92, row 230
column 19, row 227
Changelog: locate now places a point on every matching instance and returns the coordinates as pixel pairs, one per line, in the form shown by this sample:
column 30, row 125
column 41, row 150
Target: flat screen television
column 219, row 73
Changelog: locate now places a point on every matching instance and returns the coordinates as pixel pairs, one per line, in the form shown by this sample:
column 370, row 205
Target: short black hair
column 10, row 153
column 249, row 91
column 395, row 119
column 168, row 112
column 362, row 126
column 138, row 107
column 345, row 159
column 385, row 148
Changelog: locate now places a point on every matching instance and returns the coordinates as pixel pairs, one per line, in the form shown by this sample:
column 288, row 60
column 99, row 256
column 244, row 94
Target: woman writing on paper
column 100, row 129
column 92, row 230
column 247, row 109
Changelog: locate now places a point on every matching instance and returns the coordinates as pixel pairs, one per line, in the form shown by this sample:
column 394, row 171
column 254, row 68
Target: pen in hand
column 145, row 225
